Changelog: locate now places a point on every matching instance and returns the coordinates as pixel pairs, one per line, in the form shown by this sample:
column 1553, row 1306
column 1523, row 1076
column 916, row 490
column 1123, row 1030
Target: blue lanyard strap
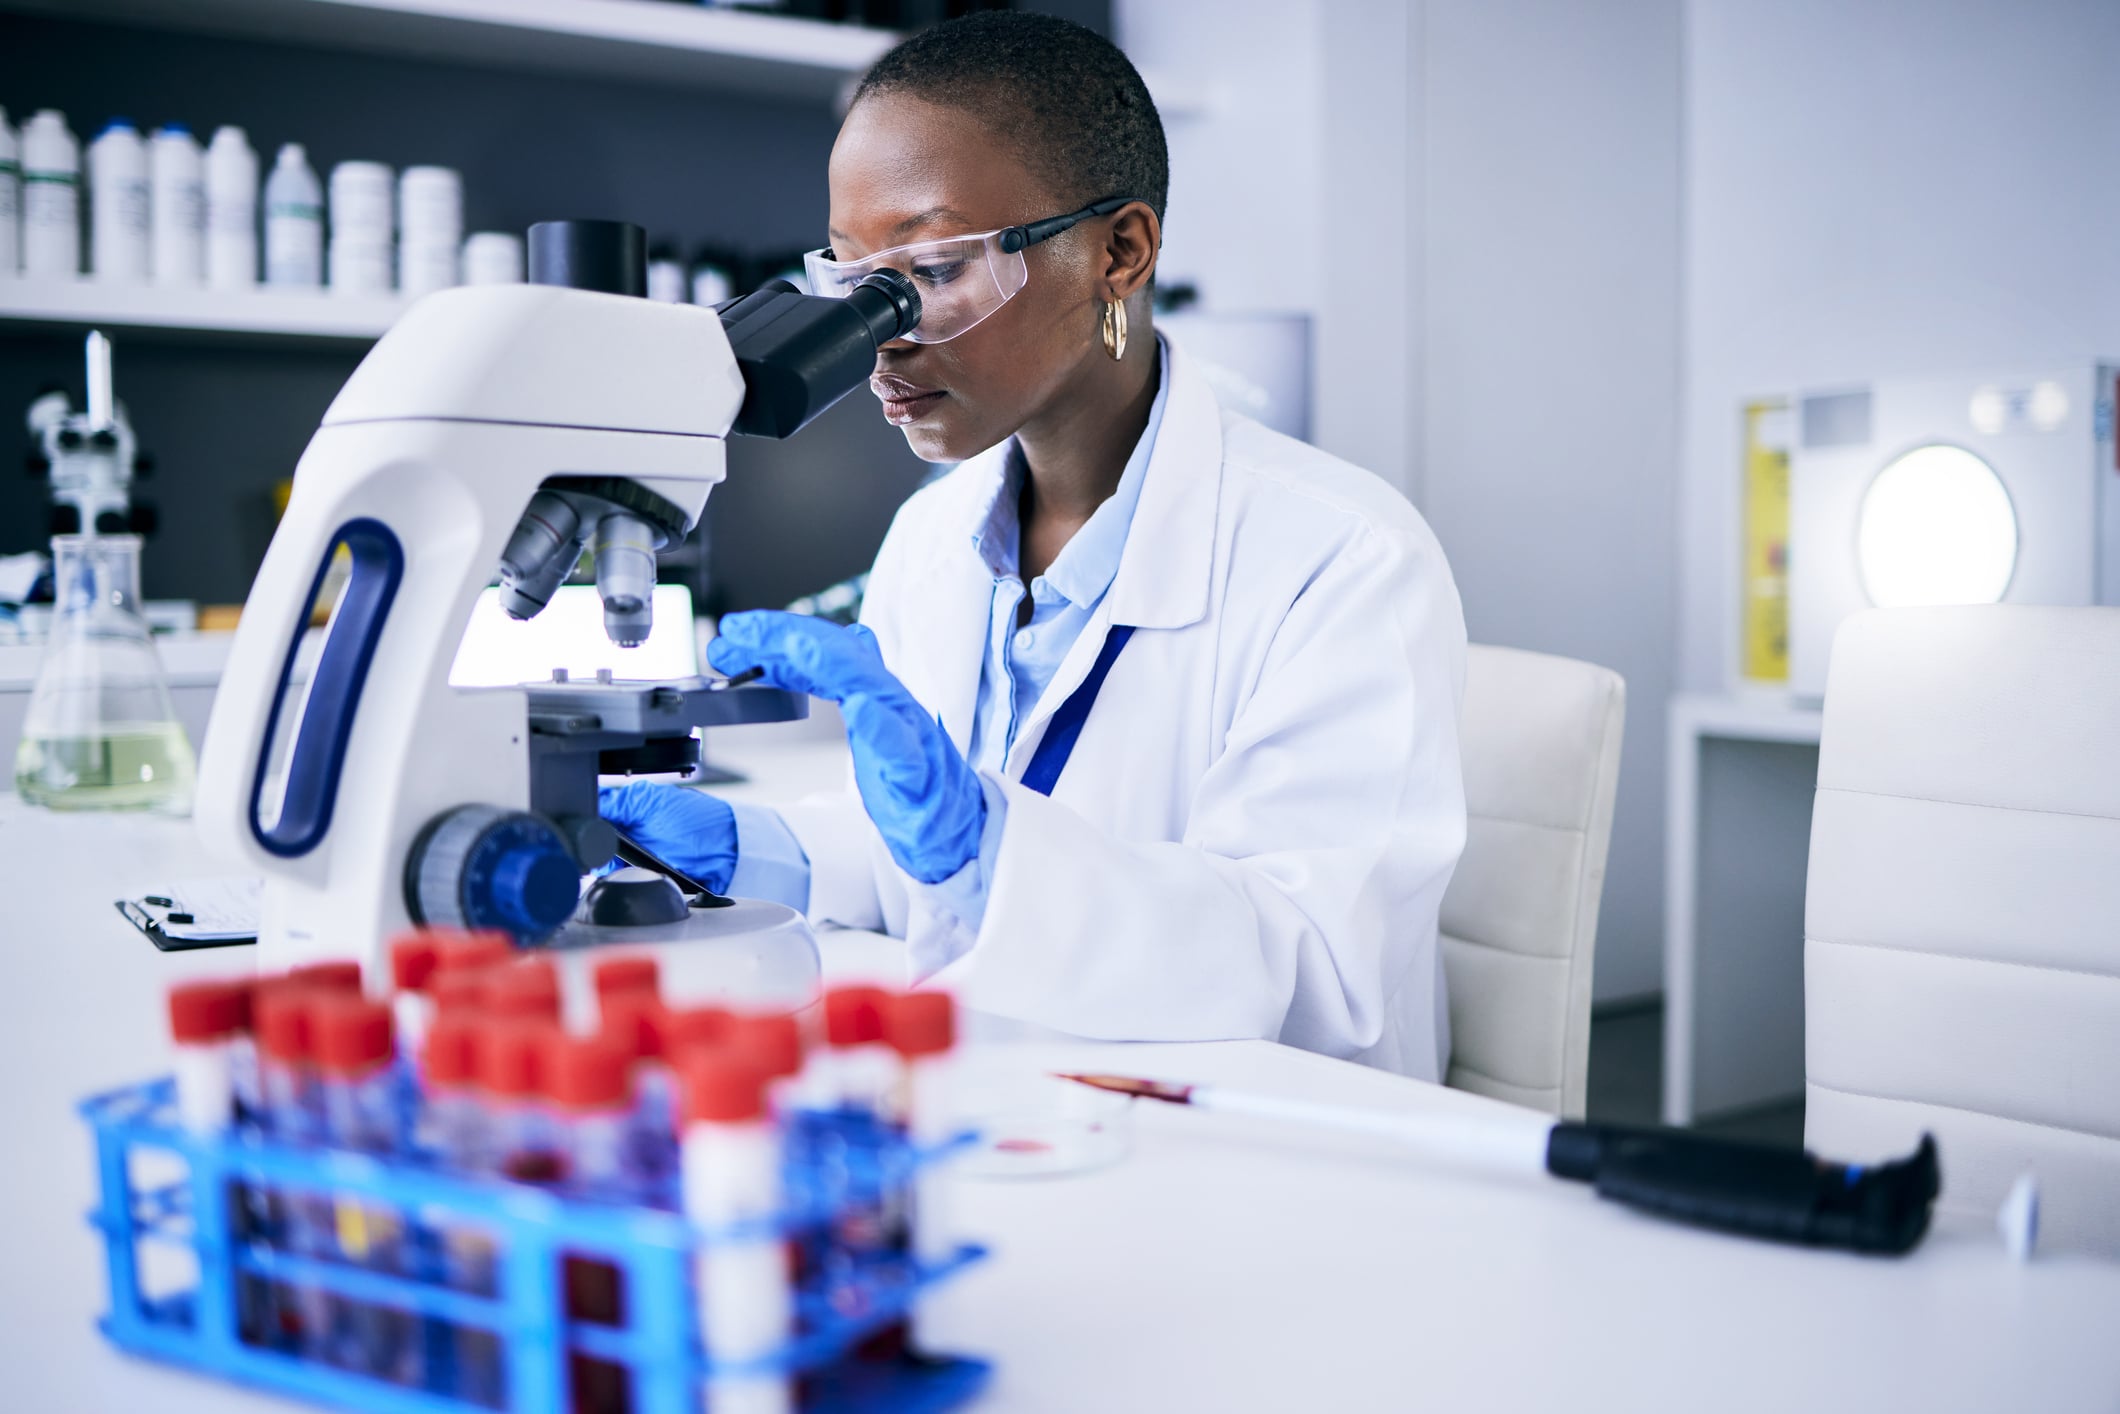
column 1058, row 743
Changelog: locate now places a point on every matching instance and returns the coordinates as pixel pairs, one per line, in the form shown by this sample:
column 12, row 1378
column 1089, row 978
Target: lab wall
column 1897, row 187
column 1549, row 292
column 1478, row 204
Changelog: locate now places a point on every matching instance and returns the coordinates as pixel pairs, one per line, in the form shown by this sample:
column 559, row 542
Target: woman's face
column 908, row 170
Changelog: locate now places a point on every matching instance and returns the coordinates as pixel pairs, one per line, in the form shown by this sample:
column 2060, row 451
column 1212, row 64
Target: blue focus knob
column 479, row 866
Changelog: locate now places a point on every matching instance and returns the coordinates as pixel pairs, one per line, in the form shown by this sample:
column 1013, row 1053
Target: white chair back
column 1962, row 922
column 1541, row 757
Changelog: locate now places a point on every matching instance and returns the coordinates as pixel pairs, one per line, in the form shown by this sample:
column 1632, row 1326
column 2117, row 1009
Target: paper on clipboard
column 200, row 911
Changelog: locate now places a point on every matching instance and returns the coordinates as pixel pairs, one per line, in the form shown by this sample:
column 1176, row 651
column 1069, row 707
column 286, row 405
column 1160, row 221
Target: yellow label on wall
column 1765, row 596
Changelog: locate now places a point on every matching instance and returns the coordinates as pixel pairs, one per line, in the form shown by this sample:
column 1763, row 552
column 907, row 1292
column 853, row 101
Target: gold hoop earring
column 1115, row 329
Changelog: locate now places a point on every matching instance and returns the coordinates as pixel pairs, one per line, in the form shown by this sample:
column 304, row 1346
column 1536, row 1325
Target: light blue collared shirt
column 1017, row 667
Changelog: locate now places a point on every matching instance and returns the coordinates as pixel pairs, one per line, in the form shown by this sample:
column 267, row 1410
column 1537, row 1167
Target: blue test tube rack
column 535, row 1231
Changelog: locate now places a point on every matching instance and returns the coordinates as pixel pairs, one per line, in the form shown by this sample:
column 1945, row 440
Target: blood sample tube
column 216, row 1080
column 469, row 949
column 774, row 1044
column 732, row 1175
column 520, row 1141
column 413, row 957
column 636, row 1023
column 355, row 1047
column 243, row 1055
column 459, row 993
column 922, row 1028
column 300, row 1220
column 858, row 1067
column 205, row 1018
column 451, row 1120
column 588, row 1082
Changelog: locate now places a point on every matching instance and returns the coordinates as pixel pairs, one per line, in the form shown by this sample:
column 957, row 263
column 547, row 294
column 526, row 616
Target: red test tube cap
column 627, row 974
column 413, row 957
column 527, row 989
column 772, row 1043
column 695, row 1028
column 353, row 1036
column 337, row 975
column 637, row 1022
column 853, row 1016
column 586, row 1073
column 469, row 950
column 722, row 1086
column 285, row 1022
column 459, row 993
column 451, row 1058
column 920, row 1023
column 511, row 1057
column 202, row 1012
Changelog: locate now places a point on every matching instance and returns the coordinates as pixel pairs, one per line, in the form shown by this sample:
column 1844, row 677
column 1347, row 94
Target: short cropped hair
column 1069, row 103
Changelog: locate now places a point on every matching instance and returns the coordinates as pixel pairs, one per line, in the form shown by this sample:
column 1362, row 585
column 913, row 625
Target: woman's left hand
column 925, row 800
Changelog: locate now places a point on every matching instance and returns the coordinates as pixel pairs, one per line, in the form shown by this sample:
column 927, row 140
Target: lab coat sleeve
column 1307, row 883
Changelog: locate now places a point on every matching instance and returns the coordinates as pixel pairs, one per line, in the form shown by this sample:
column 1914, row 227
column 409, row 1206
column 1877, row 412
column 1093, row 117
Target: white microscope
column 502, row 428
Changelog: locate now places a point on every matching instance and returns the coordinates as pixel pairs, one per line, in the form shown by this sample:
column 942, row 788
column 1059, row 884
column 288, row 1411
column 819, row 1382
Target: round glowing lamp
column 1936, row 527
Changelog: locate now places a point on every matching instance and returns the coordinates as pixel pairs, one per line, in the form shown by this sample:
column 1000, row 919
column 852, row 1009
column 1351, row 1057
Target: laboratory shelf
column 242, row 315
column 653, row 41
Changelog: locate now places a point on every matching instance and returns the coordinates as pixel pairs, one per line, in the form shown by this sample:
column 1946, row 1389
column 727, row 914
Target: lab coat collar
column 1163, row 580
column 1165, row 569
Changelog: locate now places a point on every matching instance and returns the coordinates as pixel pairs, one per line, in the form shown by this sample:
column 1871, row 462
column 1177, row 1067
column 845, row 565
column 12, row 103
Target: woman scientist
column 1153, row 712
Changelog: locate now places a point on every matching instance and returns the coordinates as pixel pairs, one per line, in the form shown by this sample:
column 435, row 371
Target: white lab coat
column 1255, row 829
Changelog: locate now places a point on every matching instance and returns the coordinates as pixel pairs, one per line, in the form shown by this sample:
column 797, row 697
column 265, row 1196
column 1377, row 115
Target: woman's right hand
column 687, row 828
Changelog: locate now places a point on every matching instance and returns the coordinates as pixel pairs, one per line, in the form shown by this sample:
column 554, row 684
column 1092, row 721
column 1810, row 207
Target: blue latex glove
column 925, row 800
column 687, row 828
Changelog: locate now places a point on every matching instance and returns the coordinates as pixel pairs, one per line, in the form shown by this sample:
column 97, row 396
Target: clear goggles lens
column 961, row 280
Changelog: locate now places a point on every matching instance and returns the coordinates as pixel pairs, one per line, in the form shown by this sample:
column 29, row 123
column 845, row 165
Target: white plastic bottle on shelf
column 118, row 204
column 430, row 226
column 51, row 197
column 362, row 224
column 10, row 200
column 666, row 275
column 177, row 207
column 231, row 211
column 294, row 222
column 493, row 258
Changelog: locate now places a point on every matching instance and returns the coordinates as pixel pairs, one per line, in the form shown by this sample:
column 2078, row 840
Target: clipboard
column 206, row 913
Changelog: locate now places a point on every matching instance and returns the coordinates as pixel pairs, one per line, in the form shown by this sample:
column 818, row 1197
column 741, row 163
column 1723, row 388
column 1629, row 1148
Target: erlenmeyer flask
column 100, row 734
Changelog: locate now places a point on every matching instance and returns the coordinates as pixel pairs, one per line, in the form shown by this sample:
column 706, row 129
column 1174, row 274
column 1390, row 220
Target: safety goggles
column 961, row 279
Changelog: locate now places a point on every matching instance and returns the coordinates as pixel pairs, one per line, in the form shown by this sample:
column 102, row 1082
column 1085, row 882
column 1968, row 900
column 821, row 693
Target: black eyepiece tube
column 800, row 353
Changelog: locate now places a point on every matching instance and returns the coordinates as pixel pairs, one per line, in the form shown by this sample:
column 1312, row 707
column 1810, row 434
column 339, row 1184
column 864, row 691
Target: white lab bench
column 1740, row 779
column 1220, row 1266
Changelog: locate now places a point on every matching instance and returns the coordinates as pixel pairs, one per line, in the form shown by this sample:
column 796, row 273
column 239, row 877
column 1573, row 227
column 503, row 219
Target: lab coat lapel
column 1165, row 571
column 954, row 601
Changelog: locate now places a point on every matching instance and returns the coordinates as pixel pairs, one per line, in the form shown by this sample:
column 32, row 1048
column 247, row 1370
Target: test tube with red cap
column 301, row 1220
column 773, row 1042
column 854, row 1070
column 520, row 1139
column 637, row 1023
column 355, row 1045
column 588, row 1082
column 732, row 1175
column 628, row 972
column 205, row 1018
column 209, row 1022
column 922, row 1028
column 414, row 957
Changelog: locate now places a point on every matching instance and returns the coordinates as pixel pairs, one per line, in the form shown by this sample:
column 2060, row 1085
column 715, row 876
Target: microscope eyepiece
column 800, row 353
column 887, row 303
